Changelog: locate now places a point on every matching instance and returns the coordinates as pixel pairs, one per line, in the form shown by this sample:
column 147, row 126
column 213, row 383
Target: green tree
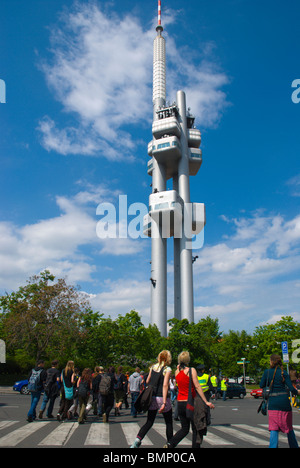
column 43, row 318
column 232, row 348
column 200, row 339
column 124, row 340
column 267, row 338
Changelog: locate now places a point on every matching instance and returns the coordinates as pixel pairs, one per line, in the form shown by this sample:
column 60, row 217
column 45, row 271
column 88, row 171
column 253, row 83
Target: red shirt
column 183, row 381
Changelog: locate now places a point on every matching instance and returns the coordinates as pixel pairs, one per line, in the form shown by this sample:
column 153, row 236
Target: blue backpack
column 34, row 382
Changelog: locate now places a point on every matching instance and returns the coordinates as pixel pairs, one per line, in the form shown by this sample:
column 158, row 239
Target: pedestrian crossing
column 97, row 434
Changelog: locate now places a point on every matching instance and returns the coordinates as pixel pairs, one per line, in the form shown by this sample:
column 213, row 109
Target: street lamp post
column 244, row 371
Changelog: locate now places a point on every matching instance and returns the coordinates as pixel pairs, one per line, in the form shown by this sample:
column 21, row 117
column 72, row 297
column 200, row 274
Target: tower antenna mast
column 159, row 28
column 159, row 13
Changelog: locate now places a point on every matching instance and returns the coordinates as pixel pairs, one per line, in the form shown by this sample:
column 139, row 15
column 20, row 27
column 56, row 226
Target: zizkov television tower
column 175, row 154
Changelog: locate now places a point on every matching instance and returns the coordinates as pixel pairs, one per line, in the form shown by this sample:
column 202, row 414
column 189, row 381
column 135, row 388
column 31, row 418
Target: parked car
column 257, row 393
column 22, row 387
column 233, row 390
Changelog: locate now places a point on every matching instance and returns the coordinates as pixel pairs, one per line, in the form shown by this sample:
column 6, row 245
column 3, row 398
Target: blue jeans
column 134, row 396
column 291, row 439
column 51, row 400
column 173, row 395
column 35, row 398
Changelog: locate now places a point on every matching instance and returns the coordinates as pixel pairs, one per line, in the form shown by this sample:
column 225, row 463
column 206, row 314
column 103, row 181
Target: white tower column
column 186, row 269
column 176, row 249
column 158, row 243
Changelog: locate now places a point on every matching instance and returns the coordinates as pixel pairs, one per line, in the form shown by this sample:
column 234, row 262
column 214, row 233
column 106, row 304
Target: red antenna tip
column 159, row 12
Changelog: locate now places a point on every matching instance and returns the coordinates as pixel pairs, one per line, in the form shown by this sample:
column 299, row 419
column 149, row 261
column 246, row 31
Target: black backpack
column 83, row 389
column 119, row 385
column 50, row 386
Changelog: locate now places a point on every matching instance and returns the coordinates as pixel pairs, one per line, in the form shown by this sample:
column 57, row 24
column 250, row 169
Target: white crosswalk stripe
column 4, row 424
column 237, row 433
column 213, row 439
column 257, row 430
column 15, row 437
column 161, row 429
column 106, row 435
column 130, row 431
column 60, row 436
column 99, row 434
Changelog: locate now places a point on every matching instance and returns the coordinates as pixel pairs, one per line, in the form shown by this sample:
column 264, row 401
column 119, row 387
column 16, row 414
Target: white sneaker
column 136, row 443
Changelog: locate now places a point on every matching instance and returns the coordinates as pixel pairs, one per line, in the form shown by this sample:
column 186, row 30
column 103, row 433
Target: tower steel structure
column 175, row 154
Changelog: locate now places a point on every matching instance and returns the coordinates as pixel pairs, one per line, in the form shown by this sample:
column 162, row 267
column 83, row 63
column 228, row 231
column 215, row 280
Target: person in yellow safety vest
column 205, row 381
column 224, row 387
column 214, row 382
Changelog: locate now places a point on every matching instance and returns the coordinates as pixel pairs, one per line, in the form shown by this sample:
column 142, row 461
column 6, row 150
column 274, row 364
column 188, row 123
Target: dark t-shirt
column 67, row 378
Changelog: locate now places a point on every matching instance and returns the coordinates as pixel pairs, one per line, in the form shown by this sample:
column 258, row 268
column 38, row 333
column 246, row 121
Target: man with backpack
column 106, row 389
column 51, row 388
column 36, row 380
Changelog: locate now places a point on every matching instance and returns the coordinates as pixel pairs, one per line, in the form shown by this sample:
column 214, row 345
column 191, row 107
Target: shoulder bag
column 263, row 407
column 143, row 401
column 190, row 406
column 69, row 392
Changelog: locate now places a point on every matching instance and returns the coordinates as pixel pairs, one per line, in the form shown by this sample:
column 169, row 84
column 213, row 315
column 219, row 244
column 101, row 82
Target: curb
column 7, row 391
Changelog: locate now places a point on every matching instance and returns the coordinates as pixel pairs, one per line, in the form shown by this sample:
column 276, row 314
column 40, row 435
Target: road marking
column 14, row 438
column 98, row 434
column 161, row 429
column 4, row 424
column 61, row 435
column 213, row 439
column 228, row 430
column 130, row 431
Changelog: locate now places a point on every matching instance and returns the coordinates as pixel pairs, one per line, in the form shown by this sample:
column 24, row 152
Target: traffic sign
column 284, row 347
column 285, row 352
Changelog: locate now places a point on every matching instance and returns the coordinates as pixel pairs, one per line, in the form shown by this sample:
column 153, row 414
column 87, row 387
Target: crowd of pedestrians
column 101, row 390
column 105, row 390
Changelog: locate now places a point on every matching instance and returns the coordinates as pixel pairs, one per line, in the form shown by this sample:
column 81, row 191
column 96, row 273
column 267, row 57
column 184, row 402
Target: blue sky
column 74, row 133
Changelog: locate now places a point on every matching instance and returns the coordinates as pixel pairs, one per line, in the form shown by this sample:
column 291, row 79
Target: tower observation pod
column 175, row 154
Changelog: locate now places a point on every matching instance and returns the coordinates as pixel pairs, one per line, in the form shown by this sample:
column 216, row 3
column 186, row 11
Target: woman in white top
column 159, row 376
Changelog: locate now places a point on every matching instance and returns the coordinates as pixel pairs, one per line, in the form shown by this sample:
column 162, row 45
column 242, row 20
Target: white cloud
column 121, row 246
column 67, row 244
column 250, row 278
column 294, row 184
column 218, row 310
column 101, row 73
column 123, row 295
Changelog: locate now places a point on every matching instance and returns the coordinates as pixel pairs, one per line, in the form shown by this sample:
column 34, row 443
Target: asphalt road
column 235, row 424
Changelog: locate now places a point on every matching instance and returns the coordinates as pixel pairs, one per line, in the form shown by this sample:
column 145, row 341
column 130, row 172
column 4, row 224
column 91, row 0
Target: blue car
column 22, row 387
